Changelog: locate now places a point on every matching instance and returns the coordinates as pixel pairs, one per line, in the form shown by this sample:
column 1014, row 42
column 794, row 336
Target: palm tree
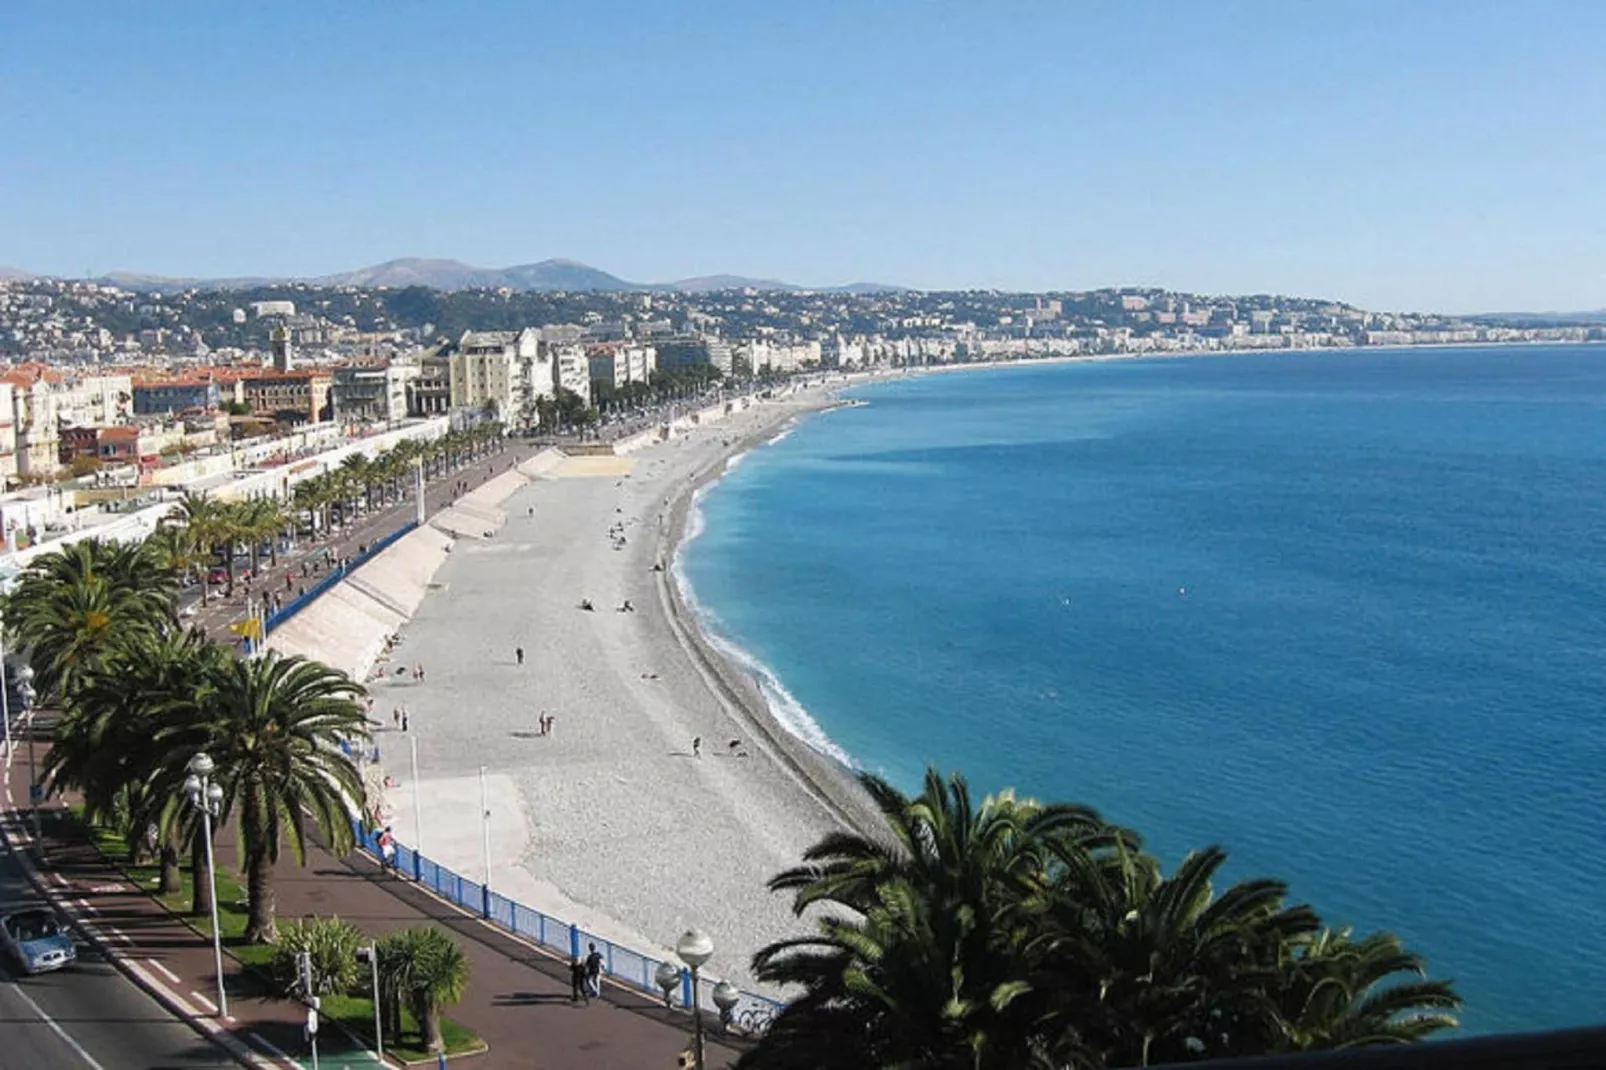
column 107, row 744
column 1336, row 994
column 72, row 606
column 919, row 964
column 1012, row 934
column 425, row 969
column 202, row 519
column 275, row 726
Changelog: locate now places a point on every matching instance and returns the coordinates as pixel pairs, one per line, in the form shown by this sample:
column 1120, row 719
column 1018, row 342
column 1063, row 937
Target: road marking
column 59, row 879
column 164, row 971
column 57, row 1029
column 85, row 904
column 117, row 934
column 203, row 1001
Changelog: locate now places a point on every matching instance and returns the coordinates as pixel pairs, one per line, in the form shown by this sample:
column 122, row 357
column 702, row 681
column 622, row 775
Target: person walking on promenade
column 387, row 849
column 577, row 982
column 518, row 652
column 594, row 972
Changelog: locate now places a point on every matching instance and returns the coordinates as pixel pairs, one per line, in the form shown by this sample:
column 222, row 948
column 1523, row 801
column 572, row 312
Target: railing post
column 418, row 867
column 685, row 989
column 574, row 941
column 485, row 901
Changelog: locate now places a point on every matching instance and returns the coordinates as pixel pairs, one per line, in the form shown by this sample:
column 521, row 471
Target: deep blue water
column 1343, row 614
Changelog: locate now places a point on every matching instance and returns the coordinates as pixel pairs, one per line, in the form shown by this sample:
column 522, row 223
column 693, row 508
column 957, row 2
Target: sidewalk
column 517, row 997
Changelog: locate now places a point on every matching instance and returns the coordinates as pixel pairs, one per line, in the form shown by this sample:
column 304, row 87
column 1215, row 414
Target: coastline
column 610, row 821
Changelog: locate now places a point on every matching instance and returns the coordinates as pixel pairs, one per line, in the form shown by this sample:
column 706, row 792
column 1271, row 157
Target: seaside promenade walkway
column 517, row 997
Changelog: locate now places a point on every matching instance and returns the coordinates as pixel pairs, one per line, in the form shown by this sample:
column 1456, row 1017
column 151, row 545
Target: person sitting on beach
column 626, row 607
column 585, row 604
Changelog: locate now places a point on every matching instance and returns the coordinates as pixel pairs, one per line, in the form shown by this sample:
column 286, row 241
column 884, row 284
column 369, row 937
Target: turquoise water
column 1343, row 614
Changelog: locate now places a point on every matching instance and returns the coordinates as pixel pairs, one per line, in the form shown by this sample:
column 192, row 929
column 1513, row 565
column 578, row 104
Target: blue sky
column 1402, row 155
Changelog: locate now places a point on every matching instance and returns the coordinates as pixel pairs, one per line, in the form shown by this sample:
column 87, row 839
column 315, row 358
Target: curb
column 181, row 1009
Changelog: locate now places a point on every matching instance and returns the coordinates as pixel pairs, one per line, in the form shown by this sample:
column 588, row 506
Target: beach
column 610, row 820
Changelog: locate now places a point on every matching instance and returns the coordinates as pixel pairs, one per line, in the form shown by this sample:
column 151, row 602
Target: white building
column 493, row 370
column 571, row 370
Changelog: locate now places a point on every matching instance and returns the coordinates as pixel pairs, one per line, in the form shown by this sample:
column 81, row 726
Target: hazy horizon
column 1434, row 157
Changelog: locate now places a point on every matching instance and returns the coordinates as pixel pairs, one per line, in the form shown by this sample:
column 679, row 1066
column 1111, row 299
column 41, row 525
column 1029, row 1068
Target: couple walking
column 585, row 977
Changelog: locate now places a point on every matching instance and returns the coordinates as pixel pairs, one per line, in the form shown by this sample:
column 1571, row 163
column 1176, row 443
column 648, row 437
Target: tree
column 274, row 726
column 72, row 606
column 202, row 519
column 424, row 969
column 107, row 746
column 1014, row 934
column 918, row 966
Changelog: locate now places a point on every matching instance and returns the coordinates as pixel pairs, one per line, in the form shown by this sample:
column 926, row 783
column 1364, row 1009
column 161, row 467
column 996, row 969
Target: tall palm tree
column 201, row 518
column 917, row 962
column 1010, row 934
column 72, row 606
column 110, row 746
column 1338, row 992
column 274, row 726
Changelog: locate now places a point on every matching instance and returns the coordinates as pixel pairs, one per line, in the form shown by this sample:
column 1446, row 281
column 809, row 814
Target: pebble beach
column 610, row 819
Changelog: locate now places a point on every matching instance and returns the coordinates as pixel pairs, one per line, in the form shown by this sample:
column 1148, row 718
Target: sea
column 1342, row 614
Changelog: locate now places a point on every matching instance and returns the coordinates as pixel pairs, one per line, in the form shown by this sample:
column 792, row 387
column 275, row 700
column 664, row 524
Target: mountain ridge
column 551, row 275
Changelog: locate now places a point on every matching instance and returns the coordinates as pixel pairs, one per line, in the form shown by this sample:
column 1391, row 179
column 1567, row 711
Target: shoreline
column 833, row 782
column 610, row 821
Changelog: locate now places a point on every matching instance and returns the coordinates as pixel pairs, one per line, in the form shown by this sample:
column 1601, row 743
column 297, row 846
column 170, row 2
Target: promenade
column 517, row 997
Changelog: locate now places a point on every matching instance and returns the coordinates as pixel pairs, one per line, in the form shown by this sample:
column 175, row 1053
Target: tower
column 283, row 354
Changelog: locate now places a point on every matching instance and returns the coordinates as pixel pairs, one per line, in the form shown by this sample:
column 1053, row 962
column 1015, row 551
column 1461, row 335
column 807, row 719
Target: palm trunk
column 260, row 928
column 429, row 1020
column 200, row 881
column 171, row 879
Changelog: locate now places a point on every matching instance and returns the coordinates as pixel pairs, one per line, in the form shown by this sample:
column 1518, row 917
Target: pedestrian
column 577, row 981
column 288, row 582
column 420, row 672
column 518, row 652
column 404, row 718
column 697, row 747
column 594, row 972
column 551, row 722
column 387, row 849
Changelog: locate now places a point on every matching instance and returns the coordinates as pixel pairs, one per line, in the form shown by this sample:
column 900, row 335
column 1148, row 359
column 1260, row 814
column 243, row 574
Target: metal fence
column 751, row 1015
column 332, row 577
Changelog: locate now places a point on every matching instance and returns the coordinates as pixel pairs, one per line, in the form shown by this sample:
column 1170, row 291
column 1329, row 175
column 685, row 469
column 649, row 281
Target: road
column 364, row 529
column 87, row 1016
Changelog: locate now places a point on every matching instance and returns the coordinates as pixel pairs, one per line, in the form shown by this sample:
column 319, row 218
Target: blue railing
column 751, row 1015
column 330, row 579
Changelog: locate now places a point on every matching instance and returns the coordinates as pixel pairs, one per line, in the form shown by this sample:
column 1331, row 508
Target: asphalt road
column 87, row 1016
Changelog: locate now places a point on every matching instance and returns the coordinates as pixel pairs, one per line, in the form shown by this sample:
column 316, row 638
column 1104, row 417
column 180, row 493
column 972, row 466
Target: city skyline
column 1436, row 158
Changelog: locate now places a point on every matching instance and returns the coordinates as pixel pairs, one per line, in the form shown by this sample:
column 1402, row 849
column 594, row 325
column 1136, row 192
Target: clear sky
column 1402, row 155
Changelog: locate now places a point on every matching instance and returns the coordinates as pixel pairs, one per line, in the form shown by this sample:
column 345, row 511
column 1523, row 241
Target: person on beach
column 395, row 716
column 697, row 747
column 594, row 972
column 404, row 718
column 577, row 981
column 518, row 652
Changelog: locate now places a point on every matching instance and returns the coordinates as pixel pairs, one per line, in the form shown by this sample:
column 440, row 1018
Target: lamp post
column 725, row 998
column 695, row 948
column 668, row 976
column 207, row 797
column 418, row 806
column 5, row 699
column 371, row 954
column 26, row 695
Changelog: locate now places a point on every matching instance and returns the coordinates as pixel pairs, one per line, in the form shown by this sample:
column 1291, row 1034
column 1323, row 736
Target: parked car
column 37, row 940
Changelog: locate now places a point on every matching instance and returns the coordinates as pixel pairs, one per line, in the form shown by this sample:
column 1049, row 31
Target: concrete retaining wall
column 347, row 627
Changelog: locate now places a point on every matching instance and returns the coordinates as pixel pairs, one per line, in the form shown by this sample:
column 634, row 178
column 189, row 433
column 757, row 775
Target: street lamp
column 207, row 797
column 370, row 954
column 725, row 998
column 695, row 948
column 26, row 695
column 668, row 976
